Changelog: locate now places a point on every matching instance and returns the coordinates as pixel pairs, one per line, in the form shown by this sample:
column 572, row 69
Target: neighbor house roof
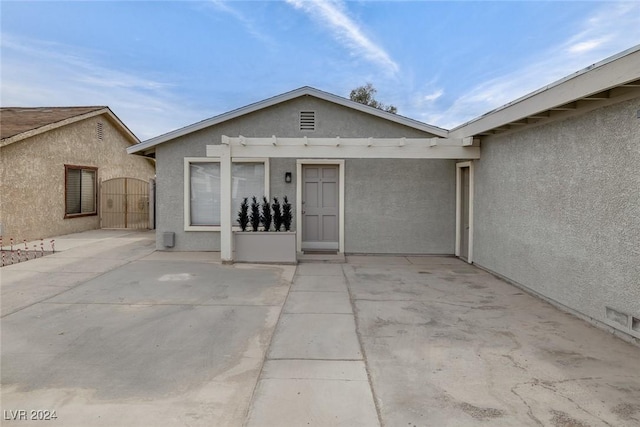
column 148, row 146
column 612, row 80
column 18, row 123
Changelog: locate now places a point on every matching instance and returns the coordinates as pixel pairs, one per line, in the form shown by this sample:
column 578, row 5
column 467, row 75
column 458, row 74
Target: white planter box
column 260, row 246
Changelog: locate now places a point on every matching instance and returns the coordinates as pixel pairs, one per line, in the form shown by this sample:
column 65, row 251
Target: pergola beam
column 344, row 148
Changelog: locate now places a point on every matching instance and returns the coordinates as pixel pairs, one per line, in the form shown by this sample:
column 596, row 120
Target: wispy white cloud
column 37, row 73
column 585, row 46
column 611, row 29
column 334, row 15
column 433, row 96
column 610, row 24
column 248, row 24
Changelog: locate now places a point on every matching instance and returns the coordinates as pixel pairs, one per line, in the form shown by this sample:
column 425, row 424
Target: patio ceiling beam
column 566, row 107
column 344, row 148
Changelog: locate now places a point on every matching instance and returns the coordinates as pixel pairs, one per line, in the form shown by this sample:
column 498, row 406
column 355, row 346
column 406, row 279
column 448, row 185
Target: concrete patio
column 110, row 333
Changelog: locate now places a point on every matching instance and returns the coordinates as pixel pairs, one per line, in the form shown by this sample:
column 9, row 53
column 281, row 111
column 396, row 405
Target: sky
column 162, row 65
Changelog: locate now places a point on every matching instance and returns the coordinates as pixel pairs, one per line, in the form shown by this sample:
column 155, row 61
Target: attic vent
column 99, row 131
column 308, row 120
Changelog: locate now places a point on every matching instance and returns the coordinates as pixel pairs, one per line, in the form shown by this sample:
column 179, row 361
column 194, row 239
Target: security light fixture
column 287, row 177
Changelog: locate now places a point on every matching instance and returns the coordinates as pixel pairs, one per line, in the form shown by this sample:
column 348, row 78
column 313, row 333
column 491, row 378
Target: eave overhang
column 612, row 80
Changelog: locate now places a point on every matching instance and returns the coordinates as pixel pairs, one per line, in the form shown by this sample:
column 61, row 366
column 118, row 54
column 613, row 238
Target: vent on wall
column 307, row 120
column 625, row 320
column 99, row 131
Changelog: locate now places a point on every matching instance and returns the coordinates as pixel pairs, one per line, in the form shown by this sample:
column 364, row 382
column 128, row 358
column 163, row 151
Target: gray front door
column 320, row 224
column 464, row 221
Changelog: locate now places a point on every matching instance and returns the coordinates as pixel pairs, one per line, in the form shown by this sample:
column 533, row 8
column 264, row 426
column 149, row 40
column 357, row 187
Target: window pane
column 205, row 193
column 88, row 195
column 247, row 181
column 73, row 191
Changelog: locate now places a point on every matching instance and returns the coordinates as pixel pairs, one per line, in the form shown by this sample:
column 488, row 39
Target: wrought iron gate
column 124, row 203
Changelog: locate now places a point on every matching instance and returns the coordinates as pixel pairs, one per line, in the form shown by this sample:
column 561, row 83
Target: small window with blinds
column 308, row 120
column 80, row 191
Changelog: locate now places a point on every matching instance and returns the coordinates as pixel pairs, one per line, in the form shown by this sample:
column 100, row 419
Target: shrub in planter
column 254, row 216
column 243, row 214
column 266, row 216
column 277, row 214
column 286, row 214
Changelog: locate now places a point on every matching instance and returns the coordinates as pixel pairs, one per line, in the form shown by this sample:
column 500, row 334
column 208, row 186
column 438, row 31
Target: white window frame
column 300, row 183
column 187, row 187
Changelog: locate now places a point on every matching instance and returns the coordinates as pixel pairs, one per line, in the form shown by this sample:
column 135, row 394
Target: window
column 80, row 191
column 249, row 177
column 205, row 193
column 247, row 180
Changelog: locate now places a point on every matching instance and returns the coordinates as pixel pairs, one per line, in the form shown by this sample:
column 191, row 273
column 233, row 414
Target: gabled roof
column 614, row 79
column 148, row 145
column 18, row 123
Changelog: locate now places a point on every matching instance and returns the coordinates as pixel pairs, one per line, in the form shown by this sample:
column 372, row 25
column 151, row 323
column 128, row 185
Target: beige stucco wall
column 32, row 170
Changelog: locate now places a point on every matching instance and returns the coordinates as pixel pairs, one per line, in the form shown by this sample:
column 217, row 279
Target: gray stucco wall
column 400, row 206
column 423, row 188
column 557, row 210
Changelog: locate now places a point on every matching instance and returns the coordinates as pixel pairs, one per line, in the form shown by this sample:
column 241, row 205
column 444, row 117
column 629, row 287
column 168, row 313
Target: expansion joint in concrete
column 266, row 353
column 362, row 350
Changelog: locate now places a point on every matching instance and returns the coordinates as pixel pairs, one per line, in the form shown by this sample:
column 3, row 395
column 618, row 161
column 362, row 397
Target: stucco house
column 374, row 191
column 556, row 192
column 544, row 191
column 66, row 169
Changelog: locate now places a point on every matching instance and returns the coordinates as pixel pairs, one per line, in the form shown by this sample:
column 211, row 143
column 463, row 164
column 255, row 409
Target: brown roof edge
column 18, row 123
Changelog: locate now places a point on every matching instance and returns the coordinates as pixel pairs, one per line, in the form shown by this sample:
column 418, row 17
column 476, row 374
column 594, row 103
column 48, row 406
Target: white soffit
column 599, row 78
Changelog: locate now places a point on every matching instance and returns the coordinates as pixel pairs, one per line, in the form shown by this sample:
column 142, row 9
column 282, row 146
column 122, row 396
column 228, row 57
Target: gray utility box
column 168, row 239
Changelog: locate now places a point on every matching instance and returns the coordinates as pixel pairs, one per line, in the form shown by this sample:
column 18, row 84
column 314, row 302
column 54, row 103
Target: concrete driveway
column 128, row 336
column 448, row 344
column 155, row 339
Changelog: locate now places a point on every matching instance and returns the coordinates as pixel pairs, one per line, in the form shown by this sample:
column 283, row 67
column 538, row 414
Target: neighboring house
column 544, row 191
column 54, row 162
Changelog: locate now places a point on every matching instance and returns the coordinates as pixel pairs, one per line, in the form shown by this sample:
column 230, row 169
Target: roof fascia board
column 147, row 146
column 123, row 128
column 51, row 126
column 616, row 70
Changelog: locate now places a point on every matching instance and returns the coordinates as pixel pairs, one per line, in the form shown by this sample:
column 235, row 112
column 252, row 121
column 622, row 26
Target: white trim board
column 187, row 189
column 609, row 73
column 347, row 148
column 299, row 182
column 459, row 167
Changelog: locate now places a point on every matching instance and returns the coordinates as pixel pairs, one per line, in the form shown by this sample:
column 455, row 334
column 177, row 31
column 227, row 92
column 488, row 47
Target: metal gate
column 124, row 203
